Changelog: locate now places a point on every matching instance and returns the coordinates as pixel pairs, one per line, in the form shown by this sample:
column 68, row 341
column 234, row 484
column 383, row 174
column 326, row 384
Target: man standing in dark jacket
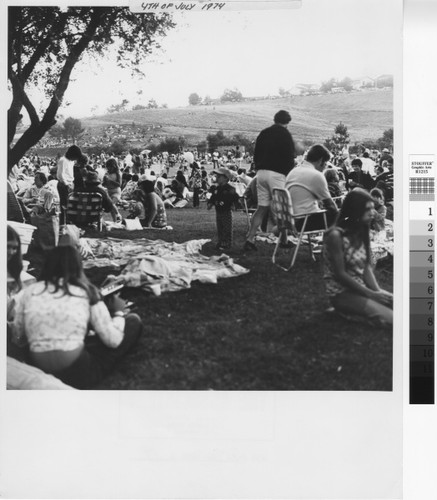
column 274, row 158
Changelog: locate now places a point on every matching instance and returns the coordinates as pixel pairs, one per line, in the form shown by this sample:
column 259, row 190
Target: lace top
column 57, row 321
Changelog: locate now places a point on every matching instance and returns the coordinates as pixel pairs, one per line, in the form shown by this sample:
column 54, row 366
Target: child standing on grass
column 224, row 198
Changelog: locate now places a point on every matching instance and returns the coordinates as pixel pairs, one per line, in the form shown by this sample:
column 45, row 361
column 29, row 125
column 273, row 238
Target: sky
column 255, row 51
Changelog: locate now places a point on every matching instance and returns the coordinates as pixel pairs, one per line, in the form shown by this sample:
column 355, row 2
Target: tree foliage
column 194, row 99
column 70, row 129
column 337, row 142
column 152, row 104
column 207, row 100
column 119, row 146
column 220, row 139
column 118, row 108
column 327, row 86
column 231, row 95
column 385, row 141
column 172, row 145
column 46, row 43
column 346, row 83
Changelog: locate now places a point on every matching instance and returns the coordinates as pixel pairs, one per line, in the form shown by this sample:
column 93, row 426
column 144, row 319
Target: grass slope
column 366, row 114
column 267, row 330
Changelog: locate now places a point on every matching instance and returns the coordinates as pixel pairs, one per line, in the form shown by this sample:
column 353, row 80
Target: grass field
column 367, row 114
column 266, row 330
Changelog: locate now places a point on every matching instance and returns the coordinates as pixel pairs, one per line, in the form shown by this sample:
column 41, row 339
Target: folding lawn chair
column 84, row 209
column 14, row 209
column 283, row 211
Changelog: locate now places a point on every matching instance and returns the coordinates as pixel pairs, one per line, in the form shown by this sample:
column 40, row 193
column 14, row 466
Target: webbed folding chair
column 283, row 211
column 84, row 209
column 14, row 209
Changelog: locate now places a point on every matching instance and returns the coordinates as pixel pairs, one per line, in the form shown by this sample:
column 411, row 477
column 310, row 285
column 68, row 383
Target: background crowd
column 354, row 191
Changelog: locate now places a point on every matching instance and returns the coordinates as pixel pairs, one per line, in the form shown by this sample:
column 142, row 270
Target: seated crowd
column 62, row 325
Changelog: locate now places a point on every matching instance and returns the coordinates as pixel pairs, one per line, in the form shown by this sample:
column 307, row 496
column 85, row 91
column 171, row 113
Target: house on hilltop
column 384, row 81
column 308, row 88
column 364, row 82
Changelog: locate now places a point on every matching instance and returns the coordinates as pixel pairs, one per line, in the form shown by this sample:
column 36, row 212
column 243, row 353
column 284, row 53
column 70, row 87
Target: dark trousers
column 224, row 229
column 196, row 193
column 316, row 221
column 63, row 191
column 97, row 360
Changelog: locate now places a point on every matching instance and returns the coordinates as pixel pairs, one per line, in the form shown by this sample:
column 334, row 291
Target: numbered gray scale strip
column 422, row 286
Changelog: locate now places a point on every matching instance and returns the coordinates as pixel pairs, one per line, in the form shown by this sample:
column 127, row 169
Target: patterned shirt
column 57, row 321
column 355, row 261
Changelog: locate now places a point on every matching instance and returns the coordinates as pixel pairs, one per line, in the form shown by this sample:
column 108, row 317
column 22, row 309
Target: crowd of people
column 49, row 322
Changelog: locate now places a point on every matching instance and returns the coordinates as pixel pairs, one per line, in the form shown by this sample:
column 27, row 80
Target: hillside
column 366, row 114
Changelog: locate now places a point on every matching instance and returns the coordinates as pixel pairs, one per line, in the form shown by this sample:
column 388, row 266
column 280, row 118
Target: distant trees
column 207, row 100
column 119, row 146
column 194, row 99
column 384, row 81
column 172, row 145
column 385, row 141
column 70, row 129
column 152, row 104
column 220, row 139
column 118, row 108
column 284, row 93
column 337, row 142
column 231, row 95
column 345, row 83
column 327, row 86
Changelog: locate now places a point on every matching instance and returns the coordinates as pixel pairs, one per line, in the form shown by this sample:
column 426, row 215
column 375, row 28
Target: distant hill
column 366, row 114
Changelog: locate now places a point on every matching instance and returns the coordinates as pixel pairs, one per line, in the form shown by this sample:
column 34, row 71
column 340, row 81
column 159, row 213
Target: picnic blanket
column 158, row 266
column 381, row 243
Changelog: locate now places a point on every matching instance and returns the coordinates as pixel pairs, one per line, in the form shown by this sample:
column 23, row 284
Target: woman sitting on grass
column 156, row 216
column 348, row 274
column 136, row 206
column 54, row 318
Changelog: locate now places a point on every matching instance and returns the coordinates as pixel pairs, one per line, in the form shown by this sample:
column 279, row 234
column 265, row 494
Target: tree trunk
column 37, row 129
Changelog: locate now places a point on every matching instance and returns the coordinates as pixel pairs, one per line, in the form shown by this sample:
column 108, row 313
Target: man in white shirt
column 307, row 187
column 368, row 164
column 65, row 174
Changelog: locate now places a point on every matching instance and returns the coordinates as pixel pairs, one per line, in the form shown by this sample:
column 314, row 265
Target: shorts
column 267, row 181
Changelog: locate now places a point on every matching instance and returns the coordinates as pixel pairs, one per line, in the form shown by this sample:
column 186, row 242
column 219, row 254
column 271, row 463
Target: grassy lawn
column 266, row 330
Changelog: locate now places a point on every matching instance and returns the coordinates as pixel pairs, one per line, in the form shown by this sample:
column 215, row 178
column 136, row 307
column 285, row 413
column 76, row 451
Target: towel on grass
column 157, row 265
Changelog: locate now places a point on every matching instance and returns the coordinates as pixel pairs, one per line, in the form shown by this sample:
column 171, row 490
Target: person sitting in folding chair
column 92, row 184
column 308, row 187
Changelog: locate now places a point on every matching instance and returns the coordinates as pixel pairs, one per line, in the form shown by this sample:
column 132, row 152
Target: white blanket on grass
column 157, row 265
column 381, row 243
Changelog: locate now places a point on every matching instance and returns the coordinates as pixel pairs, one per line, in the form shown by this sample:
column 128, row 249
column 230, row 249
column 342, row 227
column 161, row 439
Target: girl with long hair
column 14, row 261
column 348, row 272
column 156, row 216
column 56, row 314
column 14, row 289
column 112, row 180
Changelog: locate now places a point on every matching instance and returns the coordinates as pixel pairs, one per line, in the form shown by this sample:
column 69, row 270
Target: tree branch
column 21, row 96
column 42, row 47
column 75, row 53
